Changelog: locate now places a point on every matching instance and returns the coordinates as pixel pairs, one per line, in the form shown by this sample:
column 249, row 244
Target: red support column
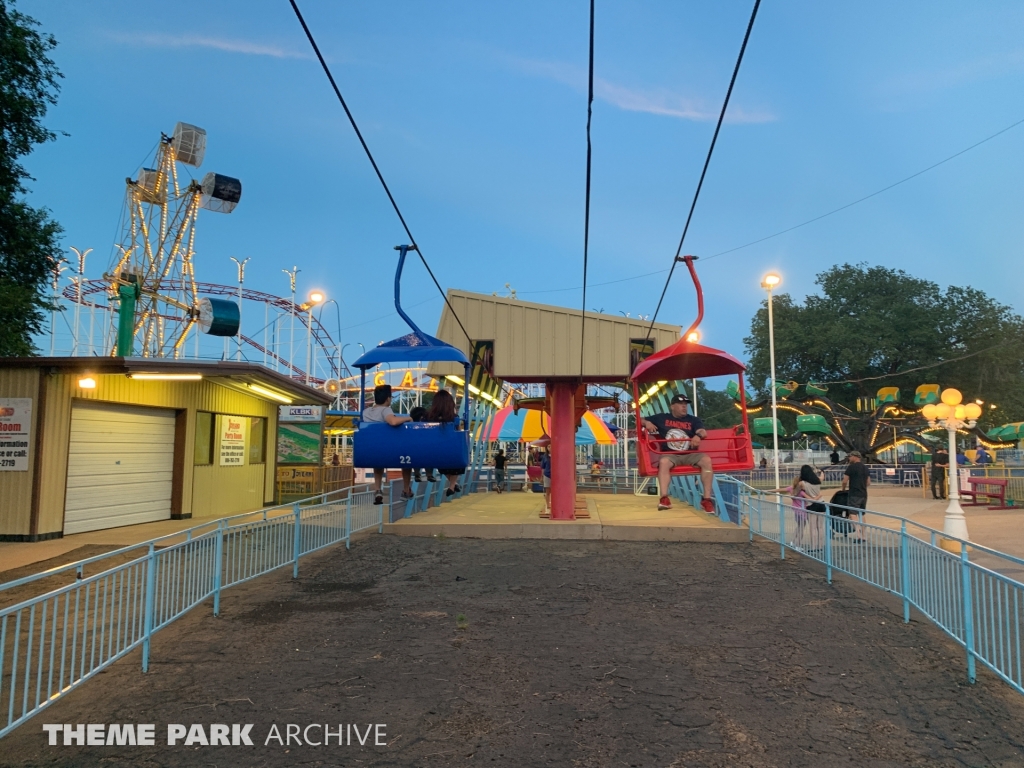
column 562, row 396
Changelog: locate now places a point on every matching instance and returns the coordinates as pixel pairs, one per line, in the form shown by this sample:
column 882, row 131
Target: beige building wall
column 16, row 487
column 535, row 341
column 204, row 490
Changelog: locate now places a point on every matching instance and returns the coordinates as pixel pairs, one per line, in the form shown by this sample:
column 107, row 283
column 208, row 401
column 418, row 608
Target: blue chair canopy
column 413, row 346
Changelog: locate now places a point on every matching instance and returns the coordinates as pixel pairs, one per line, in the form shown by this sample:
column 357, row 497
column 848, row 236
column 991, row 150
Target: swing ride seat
column 428, row 445
column 416, row 444
column 729, row 450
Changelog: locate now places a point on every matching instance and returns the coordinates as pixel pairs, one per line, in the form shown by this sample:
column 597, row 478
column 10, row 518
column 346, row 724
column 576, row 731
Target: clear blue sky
column 476, row 114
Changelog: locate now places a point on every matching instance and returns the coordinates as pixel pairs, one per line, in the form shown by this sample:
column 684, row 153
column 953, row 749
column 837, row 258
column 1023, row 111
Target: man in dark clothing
column 678, row 432
column 499, row 470
column 834, row 456
column 940, row 465
column 856, row 479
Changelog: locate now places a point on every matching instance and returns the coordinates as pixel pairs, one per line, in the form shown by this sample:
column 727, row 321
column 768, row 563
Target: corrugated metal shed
column 534, row 342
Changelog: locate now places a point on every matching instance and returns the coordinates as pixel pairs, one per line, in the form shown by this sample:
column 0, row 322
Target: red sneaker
column 664, row 503
column 708, row 506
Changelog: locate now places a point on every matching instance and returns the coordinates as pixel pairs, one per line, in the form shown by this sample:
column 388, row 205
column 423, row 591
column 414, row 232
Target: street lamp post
column 241, row 279
column 770, row 282
column 314, row 298
column 951, row 415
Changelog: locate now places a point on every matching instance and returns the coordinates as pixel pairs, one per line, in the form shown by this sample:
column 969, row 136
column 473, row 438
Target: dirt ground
column 529, row 653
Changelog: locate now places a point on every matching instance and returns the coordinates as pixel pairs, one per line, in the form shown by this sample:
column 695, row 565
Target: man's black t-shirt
column 666, row 421
column 858, row 475
column 940, row 459
column 499, row 461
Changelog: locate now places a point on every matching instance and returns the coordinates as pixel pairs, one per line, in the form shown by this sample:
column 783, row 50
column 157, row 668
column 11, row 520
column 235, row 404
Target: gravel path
column 523, row 653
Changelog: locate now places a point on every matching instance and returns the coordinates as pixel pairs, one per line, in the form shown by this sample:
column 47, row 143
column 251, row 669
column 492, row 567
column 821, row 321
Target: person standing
column 856, row 480
column 545, row 467
column 499, row 469
column 834, row 457
column 940, row 465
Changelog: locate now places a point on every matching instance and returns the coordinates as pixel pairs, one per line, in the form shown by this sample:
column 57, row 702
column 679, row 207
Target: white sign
column 890, row 471
column 300, row 413
column 232, row 440
column 15, row 428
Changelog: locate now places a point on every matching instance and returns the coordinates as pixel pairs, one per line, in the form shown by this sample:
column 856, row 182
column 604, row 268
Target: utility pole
column 241, row 279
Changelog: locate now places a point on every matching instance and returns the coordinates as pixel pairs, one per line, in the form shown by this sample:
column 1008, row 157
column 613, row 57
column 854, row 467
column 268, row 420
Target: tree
column 872, row 327
column 716, row 409
column 29, row 238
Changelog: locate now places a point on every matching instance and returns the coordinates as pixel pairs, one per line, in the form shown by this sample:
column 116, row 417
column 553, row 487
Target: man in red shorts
column 684, row 433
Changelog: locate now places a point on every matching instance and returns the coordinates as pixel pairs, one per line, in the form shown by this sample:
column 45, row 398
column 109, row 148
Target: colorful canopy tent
column 529, row 425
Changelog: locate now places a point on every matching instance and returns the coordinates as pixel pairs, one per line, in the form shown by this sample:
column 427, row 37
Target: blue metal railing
column 955, row 583
column 51, row 644
column 104, row 561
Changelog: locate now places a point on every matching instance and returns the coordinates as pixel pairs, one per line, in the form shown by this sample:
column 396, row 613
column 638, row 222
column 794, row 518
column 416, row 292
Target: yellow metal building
column 536, row 342
column 91, row 443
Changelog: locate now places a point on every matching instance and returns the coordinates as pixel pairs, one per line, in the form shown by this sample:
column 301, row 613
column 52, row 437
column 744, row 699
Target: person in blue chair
column 442, row 411
column 380, row 413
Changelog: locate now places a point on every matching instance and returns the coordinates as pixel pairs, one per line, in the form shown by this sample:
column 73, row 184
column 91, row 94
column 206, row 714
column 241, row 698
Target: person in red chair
column 683, row 433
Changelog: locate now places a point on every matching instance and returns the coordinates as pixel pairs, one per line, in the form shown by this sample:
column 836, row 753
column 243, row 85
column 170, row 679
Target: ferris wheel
column 152, row 275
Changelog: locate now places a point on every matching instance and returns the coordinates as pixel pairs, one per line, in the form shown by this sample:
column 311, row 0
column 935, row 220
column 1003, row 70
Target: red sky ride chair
column 730, row 449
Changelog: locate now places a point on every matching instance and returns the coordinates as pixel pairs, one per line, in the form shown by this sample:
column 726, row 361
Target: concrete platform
column 620, row 517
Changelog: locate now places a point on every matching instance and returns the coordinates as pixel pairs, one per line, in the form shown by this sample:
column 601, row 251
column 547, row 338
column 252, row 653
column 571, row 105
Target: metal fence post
column 348, row 521
column 905, row 570
column 147, row 626
column 218, row 569
column 297, row 543
column 965, row 571
column 828, row 546
column 782, row 526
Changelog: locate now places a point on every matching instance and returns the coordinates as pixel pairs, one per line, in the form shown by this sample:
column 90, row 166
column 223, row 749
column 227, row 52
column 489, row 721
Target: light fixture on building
column 271, row 394
column 87, row 382
column 166, row 376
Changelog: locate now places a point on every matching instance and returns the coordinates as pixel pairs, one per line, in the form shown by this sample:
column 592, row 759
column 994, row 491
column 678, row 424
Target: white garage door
column 120, row 467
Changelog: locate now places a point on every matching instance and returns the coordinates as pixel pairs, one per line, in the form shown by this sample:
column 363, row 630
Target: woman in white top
column 806, row 493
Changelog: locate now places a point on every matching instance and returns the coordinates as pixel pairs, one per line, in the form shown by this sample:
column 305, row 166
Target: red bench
column 991, row 488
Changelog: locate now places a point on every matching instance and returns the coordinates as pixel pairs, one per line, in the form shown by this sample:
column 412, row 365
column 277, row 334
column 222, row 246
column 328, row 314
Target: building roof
column 235, row 374
column 536, row 342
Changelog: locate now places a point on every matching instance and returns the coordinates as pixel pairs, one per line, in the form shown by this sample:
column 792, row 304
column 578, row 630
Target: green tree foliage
column 716, row 409
column 29, row 244
column 872, row 325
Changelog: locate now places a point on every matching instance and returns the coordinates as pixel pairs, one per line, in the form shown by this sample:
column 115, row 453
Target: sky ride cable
column 586, row 214
column 707, row 161
column 369, row 155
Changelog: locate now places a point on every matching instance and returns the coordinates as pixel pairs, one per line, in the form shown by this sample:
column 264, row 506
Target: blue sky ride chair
column 413, row 444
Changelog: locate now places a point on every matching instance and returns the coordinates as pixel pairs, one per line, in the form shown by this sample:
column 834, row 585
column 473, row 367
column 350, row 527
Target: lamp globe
column 952, row 396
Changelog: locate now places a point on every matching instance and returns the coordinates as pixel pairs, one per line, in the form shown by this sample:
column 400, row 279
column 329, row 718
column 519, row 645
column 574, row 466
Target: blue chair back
column 410, row 445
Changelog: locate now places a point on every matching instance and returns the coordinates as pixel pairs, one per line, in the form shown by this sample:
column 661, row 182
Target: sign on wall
column 300, row 413
column 15, row 428
column 232, row 440
column 299, row 444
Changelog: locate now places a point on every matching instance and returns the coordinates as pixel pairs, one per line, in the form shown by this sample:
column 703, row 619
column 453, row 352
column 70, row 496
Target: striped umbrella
column 529, row 425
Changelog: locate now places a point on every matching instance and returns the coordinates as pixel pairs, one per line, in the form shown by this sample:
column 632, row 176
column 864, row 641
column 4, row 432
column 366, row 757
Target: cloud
column 658, row 101
column 247, row 47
